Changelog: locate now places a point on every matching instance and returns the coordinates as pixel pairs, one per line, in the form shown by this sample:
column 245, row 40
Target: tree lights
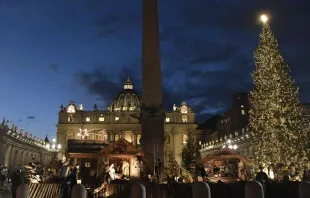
column 280, row 133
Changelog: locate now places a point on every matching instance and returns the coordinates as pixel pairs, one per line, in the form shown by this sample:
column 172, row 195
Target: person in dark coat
column 73, row 180
column 262, row 177
column 65, row 187
column 16, row 180
column 158, row 167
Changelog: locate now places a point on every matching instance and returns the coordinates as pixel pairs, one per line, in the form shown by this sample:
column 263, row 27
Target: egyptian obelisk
column 152, row 114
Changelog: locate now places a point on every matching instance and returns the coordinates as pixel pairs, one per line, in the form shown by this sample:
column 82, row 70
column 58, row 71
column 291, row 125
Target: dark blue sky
column 54, row 51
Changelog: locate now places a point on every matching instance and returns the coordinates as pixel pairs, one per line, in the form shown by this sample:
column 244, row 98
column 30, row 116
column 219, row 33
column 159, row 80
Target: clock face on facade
column 71, row 109
column 184, row 109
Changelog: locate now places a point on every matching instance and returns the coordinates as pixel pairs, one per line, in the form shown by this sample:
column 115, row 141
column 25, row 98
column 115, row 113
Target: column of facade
column 116, row 133
column 62, row 137
column 109, row 135
column 177, row 146
column 135, row 137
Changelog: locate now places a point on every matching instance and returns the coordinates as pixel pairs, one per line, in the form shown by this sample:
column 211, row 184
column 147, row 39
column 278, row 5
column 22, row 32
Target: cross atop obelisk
column 152, row 115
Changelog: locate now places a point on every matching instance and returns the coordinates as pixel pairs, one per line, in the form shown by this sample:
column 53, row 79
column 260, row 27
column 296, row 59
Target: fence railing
column 252, row 189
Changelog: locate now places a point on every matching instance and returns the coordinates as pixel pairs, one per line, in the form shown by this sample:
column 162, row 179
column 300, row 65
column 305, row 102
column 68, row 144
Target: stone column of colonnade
column 7, row 160
column 2, row 152
column 12, row 157
column 16, row 161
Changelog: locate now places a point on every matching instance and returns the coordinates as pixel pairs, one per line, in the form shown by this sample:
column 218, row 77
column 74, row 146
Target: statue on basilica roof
column 21, row 132
column 13, row 125
column 175, row 108
column 61, row 108
column 46, row 140
column 81, row 107
column 95, row 107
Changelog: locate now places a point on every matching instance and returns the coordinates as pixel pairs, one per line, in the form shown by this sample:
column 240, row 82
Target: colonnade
column 16, row 155
column 17, row 149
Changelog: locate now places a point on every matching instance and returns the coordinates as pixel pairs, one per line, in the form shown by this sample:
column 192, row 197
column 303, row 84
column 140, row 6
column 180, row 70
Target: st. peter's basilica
column 83, row 133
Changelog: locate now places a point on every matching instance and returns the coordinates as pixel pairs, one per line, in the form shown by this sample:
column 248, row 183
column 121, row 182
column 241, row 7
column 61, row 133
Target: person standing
column 158, row 167
column 262, row 178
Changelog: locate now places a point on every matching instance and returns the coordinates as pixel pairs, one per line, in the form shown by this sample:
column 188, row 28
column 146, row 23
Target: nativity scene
column 118, row 161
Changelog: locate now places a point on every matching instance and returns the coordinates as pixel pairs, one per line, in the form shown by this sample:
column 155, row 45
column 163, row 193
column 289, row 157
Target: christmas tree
column 190, row 153
column 280, row 132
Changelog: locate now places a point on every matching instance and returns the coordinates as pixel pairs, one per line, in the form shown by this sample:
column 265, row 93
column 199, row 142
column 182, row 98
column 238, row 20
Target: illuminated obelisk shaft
column 152, row 116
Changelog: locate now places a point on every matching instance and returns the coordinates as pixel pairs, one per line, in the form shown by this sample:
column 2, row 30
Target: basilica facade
column 83, row 131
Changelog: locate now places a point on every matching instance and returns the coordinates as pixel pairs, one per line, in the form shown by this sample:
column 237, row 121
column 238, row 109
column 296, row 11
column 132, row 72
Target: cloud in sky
column 31, row 118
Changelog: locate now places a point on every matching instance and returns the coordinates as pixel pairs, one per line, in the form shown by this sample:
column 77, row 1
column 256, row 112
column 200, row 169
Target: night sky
column 54, row 51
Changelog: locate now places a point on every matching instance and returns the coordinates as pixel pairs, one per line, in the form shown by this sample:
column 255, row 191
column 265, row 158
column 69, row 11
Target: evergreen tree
column 280, row 132
column 190, row 153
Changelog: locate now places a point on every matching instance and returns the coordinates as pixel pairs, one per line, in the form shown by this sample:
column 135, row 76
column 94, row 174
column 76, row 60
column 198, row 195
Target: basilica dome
column 127, row 100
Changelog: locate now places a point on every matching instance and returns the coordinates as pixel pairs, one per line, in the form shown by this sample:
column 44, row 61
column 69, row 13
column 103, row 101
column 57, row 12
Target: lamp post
column 54, row 147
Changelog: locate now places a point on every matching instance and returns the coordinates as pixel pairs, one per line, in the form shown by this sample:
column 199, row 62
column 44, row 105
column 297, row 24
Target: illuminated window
column 87, row 119
column 242, row 112
column 184, row 118
column 167, row 119
column 199, row 142
column 70, row 118
column 116, row 118
column 138, row 139
column 101, row 119
column 116, row 137
column 87, row 164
